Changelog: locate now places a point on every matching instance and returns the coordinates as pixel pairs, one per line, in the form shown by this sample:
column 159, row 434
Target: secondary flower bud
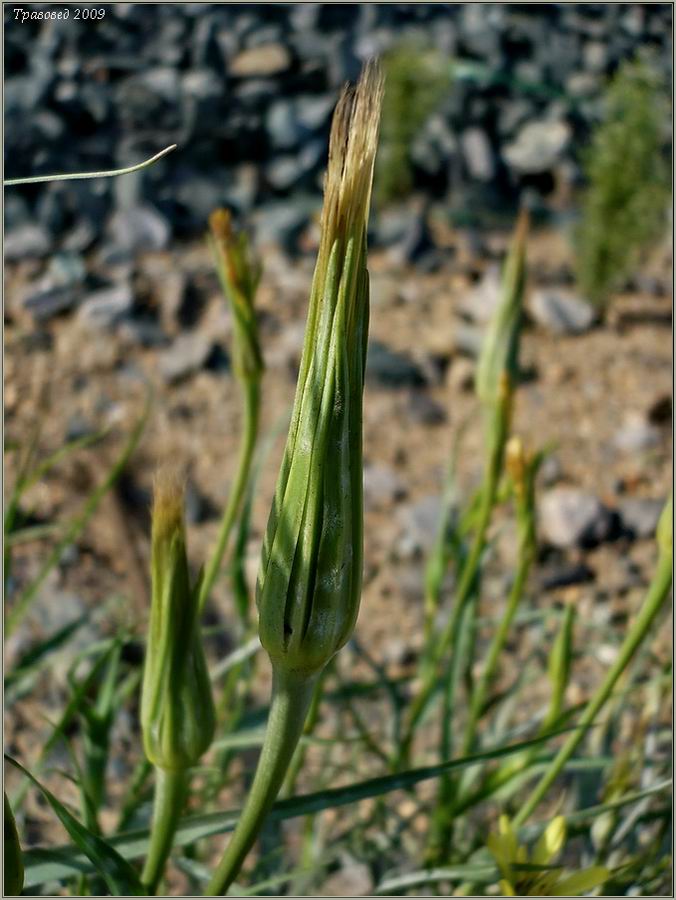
column 310, row 577
column 177, row 712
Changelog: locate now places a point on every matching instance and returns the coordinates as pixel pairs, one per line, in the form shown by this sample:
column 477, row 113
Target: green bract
column 239, row 275
column 310, row 577
column 177, row 712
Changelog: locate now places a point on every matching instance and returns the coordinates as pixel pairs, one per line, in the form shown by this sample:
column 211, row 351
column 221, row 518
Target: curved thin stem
column 291, row 698
column 657, row 594
column 111, row 173
column 170, row 794
column 251, row 416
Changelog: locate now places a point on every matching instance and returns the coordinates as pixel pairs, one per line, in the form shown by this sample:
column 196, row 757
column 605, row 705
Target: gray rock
column 263, row 61
column 281, row 125
column 140, row 228
column 382, row 486
column 419, row 524
column 44, row 305
column 424, row 410
column 26, row 242
column 285, row 171
column 467, row 339
column 104, row 309
column 66, row 270
column 561, row 312
column 478, row 154
column 570, row 517
column 640, row 515
column 313, row 112
column 636, row 435
column 142, row 333
column 389, row 368
column 479, row 304
column 538, row 146
column 282, row 224
column 187, row 354
column 565, row 575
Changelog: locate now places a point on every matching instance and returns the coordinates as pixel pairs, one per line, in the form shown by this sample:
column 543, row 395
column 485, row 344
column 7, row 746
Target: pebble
column 423, row 410
column 25, row 242
column 44, row 305
column 479, row 303
column 382, row 486
column 640, row 515
column 565, row 575
column 187, row 354
column 140, row 228
column 391, row 369
column 460, row 375
column 538, row 146
column 263, row 61
column 419, row 522
column 105, row 308
column 636, row 435
column 560, row 312
column 571, row 517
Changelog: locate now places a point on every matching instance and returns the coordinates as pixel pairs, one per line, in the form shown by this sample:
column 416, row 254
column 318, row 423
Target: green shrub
column 624, row 207
column 416, row 79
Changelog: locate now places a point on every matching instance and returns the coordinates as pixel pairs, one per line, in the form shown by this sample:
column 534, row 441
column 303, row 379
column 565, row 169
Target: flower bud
column 239, row 275
column 177, row 712
column 309, row 583
column 497, row 368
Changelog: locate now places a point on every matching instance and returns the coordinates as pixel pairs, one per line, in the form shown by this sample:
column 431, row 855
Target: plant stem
column 170, row 794
column 251, row 391
column 110, row 173
column 291, row 698
column 465, row 588
column 657, row 594
column 478, row 699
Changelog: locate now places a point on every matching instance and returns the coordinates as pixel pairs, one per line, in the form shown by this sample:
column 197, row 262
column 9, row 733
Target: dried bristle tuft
column 352, row 151
column 168, row 500
column 220, row 222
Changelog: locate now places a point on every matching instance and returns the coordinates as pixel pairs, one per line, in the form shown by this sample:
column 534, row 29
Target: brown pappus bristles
column 352, row 150
column 168, row 497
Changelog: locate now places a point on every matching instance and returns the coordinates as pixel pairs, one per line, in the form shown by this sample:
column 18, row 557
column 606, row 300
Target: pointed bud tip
column 168, row 498
column 220, row 222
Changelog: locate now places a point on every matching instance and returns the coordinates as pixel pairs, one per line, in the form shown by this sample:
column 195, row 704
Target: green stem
column 251, row 390
column 657, row 594
column 170, row 793
column 467, row 579
column 478, row 700
column 291, row 698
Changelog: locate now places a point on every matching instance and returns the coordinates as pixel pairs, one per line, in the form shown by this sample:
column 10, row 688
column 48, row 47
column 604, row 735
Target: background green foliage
column 416, row 79
column 628, row 193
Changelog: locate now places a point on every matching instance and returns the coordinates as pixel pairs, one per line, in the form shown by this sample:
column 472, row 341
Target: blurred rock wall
column 247, row 91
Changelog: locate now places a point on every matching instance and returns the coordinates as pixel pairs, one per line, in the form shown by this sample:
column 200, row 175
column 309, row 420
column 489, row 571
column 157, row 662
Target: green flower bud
column 14, row 875
column 309, row 583
column 497, row 368
column 239, row 275
column 177, row 711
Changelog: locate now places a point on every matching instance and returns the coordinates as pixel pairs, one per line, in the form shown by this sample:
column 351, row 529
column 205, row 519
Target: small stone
column 26, row 242
column 560, row 312
column 382, row 486
column 140, row 228
column 538, row 146
column 467, row 339
column 188, row 354
column 636, row 435
column 263, row 61
column 141, row 333
column 44, row 305
column 106, row 308
column 419, row 522
column 565, row 575
column 640, row 515
column 424, row 410
column 478, row 154
column 479, row 304
column 570, row 517
column 390, row 368
column 282, row 224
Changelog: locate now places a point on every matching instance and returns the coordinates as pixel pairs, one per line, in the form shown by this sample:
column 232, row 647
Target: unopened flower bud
column 310, row 577
column 177, row 712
